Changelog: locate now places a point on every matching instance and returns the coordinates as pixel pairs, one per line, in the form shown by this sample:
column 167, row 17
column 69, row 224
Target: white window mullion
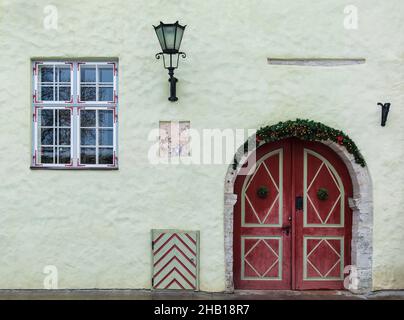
column 56, row 139
column 53, row 134
column 74, row 137
column 78, row 138
column 74, row 114
column 71, row 137
column 36, row 83
column 96, row 136
column 36, row 153
column 78, row 76
column 115, row 137
column 54, row 83
column 114, row 79
column 96, row 83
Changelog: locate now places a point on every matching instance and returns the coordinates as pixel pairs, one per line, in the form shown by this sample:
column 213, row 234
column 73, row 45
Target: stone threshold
column 132, row 294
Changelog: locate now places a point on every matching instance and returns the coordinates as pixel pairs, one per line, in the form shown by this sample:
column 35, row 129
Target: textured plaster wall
column 95, row 225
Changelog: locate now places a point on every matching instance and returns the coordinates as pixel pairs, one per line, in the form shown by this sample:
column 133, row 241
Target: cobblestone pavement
column 178, row 295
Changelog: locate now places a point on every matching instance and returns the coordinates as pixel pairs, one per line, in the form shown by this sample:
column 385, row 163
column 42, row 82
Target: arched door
column 292, row 222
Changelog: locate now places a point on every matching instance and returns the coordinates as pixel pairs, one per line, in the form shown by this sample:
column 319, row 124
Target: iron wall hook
column 385, row 112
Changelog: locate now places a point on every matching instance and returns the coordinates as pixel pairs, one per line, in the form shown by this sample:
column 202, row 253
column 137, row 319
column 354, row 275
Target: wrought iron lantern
column 170, row 37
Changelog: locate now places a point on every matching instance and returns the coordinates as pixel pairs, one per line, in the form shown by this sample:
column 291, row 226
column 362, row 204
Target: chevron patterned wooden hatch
column 175, row 256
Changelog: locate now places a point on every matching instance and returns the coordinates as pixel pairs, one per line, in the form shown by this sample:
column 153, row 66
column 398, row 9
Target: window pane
column 64, row 94
column 105, row 94
column 64, row 155
column 47, row 136
column 46, row 94
column 88, row 137
column 46, row 74
column 105, row 118
column 105, row 156
column 87, row 118
column 87, row 155
column 46, row 118
column 105, row 137
column 87, row 74
column 64, row 74
column 64, row 136
column 46, row 155
column 105, row 74
column 88, row 94
column 64, row 118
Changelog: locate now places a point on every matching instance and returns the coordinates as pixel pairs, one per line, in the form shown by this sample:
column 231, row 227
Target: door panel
column 320, row 175
column 261, row 258
column 323, row 227
column 264, row 212
column 279, row 247
column 262, row 247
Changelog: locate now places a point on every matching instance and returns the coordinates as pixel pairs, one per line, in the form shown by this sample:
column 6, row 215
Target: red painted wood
column 261, row 257
column 257, row 239
column 323, row 257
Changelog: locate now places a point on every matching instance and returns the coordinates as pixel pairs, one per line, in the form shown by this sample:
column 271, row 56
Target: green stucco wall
column 94, row 226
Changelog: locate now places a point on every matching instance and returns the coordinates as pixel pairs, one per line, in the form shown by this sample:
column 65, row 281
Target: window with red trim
column 75, row 114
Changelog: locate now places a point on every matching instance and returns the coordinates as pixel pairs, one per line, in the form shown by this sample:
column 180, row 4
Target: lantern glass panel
column 160, row 36
column 180, row 32
column 169, row 35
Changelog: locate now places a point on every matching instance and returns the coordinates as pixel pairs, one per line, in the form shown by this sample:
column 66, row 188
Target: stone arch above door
column 362, row 214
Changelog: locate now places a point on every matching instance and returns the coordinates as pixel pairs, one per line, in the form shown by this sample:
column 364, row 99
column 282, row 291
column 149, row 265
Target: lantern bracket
column 170, row 59
column 171, row 65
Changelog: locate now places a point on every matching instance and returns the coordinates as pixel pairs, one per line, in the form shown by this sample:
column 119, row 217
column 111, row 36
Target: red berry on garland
column 340, row 140
column 258, row 139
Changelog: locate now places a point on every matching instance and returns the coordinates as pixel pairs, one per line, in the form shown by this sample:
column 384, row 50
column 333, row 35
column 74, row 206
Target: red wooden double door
column 292, row 222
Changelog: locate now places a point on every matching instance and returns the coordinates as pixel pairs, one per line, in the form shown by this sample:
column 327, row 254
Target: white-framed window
column 75, row 114
column 96, row 83
column 53, row 82
column 96, row 128
column 54, row 135
column 174, row 139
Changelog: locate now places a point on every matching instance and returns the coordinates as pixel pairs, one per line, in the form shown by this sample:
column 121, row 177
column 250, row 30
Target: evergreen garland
column 309, row 131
